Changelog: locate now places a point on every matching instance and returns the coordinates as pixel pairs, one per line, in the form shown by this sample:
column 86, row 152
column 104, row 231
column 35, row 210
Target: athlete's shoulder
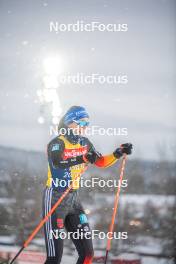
column 56, row 144
column 86, row 141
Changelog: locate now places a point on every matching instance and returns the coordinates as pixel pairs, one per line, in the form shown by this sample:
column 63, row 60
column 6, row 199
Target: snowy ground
column 150, row 260
column 143, row 245
column 68, row 257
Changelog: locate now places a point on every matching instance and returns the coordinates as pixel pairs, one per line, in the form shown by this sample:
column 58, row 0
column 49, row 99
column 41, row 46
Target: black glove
column 92, row 155
column 124, row 148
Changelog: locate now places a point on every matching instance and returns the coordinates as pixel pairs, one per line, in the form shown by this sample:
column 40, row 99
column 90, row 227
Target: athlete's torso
column 60, row 178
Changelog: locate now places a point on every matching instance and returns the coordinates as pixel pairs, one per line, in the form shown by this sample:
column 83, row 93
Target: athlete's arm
column 55, row 151
column 106, row 161
column 99, row 160
column 103, row 161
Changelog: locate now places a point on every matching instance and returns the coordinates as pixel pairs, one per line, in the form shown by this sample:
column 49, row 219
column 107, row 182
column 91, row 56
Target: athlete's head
column 75, row 118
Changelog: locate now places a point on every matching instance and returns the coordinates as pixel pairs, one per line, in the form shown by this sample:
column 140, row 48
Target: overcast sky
column 145, row 53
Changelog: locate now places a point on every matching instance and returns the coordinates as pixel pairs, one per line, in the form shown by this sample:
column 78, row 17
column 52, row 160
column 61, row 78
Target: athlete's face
column 80, row 125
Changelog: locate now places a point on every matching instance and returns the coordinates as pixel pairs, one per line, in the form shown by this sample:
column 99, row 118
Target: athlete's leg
column 54, row 245
column 78, row 222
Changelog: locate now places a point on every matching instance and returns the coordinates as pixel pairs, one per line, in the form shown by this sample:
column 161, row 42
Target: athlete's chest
column 74, row 150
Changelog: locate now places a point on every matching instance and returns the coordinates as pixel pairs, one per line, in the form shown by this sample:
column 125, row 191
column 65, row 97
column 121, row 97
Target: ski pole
column 116, row 202
column 44, row 220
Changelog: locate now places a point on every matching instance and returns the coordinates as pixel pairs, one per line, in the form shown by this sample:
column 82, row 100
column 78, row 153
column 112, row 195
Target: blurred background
column 32, row 100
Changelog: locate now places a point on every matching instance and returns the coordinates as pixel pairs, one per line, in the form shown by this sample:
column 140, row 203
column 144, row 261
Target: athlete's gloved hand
column 92, row 156
column 124, row 148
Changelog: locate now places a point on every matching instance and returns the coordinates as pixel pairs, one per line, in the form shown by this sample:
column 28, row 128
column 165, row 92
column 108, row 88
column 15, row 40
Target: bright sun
column 53, row 65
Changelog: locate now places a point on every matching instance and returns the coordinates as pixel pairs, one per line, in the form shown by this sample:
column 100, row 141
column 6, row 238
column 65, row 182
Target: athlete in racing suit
column 68, row 157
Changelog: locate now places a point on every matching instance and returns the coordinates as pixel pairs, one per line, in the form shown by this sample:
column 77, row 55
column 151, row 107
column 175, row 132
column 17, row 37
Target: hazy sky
column 145, row 53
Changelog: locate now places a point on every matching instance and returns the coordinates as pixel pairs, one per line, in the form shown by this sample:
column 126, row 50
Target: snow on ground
column 7, row 239
column 143, row 244
column 150, row 260
column 147, row 244
column 67, row 258
column 7, row 201
column 161, row 202
column 157, row 200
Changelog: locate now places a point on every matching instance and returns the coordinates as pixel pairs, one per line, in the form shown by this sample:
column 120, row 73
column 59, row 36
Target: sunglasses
column 81, row 123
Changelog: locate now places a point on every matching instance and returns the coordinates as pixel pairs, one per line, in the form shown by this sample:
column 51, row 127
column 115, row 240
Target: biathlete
column 68, row 157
